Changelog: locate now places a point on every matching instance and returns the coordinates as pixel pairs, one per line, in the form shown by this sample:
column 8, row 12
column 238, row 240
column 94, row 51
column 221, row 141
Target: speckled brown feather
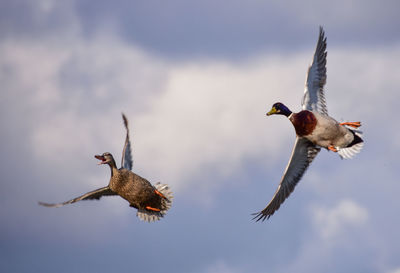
column 152, row 202
column 135, row 189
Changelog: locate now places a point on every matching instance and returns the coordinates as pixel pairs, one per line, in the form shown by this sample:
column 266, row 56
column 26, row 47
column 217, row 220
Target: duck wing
column 126, row 162
column 302, row 155
column 96, row 194
column 314, row 97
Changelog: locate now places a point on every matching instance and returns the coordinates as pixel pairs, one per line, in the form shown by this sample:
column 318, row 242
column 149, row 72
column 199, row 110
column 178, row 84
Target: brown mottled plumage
column 152, row 202
column 138, row 191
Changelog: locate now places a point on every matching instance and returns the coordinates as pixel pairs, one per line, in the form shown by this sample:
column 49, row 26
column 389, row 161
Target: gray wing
column 314, row 97
column 302, row 155
column 96, row 194
column 126, row 162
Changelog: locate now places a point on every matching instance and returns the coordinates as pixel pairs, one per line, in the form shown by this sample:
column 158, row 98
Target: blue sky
column 195, row 80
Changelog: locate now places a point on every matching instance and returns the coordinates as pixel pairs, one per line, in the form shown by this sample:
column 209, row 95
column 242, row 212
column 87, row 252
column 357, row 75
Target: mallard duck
column 314, row 130
column 151, row 202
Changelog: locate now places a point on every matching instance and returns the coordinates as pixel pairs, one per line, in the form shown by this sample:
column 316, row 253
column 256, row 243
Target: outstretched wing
column 126, row 162
column 302, row 155
column 96, row 194
column 314, row 97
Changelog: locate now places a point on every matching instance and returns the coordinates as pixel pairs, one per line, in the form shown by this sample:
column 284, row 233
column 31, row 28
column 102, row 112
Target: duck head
column 106, row 158
column 279, row 109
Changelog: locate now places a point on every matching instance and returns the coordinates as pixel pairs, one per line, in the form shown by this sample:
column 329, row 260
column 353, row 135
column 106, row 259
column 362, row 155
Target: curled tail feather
column 354, row 147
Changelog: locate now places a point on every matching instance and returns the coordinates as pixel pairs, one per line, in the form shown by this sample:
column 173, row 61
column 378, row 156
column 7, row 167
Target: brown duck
column 152, row 202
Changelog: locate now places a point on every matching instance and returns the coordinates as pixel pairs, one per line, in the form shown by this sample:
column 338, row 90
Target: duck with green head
column 315, row 129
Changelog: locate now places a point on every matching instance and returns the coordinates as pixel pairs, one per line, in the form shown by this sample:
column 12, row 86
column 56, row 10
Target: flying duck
column 151, row 202
column 314, row 130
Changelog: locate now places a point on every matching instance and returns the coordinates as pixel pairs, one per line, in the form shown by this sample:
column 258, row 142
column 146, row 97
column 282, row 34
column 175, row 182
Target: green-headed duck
column 314, row 130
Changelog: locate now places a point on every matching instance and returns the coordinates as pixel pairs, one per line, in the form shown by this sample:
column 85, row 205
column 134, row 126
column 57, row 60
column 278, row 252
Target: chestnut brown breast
column 304, row 122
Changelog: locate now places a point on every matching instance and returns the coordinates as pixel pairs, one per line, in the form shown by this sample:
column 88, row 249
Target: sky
column 195, row 79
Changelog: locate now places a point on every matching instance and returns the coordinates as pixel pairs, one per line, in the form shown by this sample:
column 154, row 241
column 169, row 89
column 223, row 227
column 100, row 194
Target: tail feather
column 166, row 203
column 354, row 147
column 149, row 216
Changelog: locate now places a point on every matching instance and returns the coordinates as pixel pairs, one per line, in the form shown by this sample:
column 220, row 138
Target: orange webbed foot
column 151, row 208
column 355, row 124
column 333, row 149
column 160, row 194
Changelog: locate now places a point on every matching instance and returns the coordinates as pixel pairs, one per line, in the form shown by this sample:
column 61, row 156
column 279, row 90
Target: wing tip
column 125, row 119
column 49, row 205
column 261, row 216
column 322, row 33
column 126, row 161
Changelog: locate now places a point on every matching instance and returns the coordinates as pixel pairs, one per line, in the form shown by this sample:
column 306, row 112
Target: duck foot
column 355, row 124
column 160, row 194
column 151, row 208
column 333, row 149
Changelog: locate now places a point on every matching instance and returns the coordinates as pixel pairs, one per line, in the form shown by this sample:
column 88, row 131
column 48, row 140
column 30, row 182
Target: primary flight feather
column 314, row 130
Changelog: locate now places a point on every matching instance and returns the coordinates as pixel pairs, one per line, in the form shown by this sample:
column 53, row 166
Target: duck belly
column 136, row 190
column 330, row 133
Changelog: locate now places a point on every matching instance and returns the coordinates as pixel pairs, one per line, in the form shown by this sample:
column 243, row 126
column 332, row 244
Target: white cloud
column 342, row 236
column 189, row 121
column 211, row 115
column 331, row 222
column 186, row 118
column 183, row 116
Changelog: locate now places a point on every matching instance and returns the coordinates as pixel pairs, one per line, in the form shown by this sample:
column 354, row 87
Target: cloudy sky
column 195, row 79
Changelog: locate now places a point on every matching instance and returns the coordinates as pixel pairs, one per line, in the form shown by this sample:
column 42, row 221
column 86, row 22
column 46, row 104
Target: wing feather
column 314, row 96
column 126, row 161
column 96, row 194
column 302, row 155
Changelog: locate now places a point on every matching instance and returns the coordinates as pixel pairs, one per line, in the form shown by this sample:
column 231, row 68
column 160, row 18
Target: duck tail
column 166, row 200
column 354, row 147
column 150, row 215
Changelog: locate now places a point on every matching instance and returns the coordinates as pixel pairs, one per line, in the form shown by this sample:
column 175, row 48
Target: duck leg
column 355, row 124
column 160, row 194
column 333, row 149
column 151, row 208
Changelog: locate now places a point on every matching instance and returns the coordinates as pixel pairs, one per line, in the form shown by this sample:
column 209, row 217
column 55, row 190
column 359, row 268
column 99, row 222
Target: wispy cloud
column 331, row 222
column 185, row 117
column 195, row 124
